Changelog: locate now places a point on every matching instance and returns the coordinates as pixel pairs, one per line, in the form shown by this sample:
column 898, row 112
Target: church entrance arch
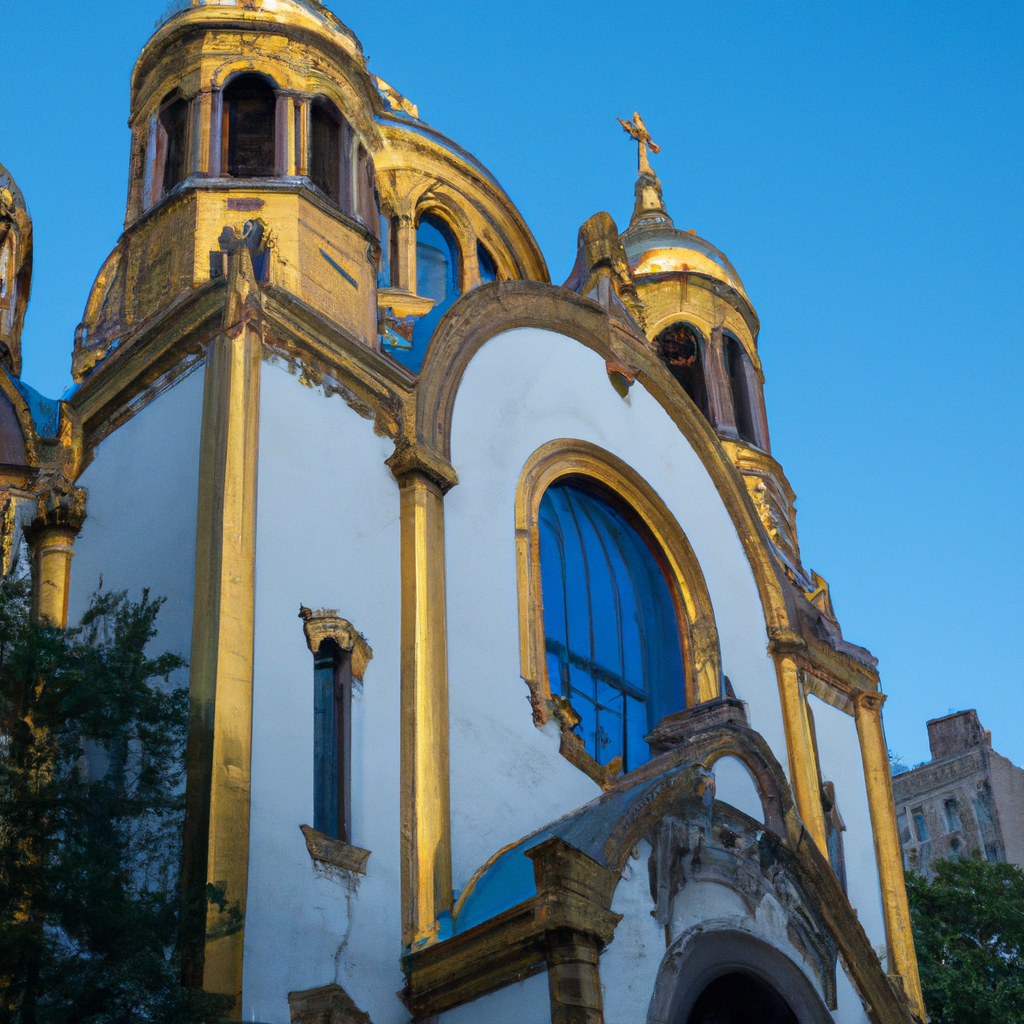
column 731, row 977
column 740, row 998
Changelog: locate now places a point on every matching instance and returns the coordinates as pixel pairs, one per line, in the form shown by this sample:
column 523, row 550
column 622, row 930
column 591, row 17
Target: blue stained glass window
column 611, row 631
column 437, row 278
column 332, row 732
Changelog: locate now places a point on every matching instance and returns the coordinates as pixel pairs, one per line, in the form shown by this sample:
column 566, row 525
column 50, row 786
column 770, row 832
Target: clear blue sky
column 861, row 164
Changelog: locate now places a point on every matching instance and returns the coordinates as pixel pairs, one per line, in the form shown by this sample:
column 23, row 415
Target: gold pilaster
column 426, row 814
column 803, row 764
column 216, row 848
column 902, row 955
column 51, row 536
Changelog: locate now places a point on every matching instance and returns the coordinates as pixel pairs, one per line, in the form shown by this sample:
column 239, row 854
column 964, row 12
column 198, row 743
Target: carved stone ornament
column 326, row 624
column 327, row 1004
column 61, row 504
column 334, row 852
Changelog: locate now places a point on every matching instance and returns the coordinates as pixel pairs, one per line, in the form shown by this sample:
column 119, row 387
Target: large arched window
column 610, row 623
column 249, row 115
column 735, row 365
column 679, row 347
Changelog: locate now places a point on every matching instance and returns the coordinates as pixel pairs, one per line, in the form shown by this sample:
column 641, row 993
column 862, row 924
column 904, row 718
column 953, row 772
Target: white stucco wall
column 526, row 1002
column 140, row 525
column 849, row 1006
column 841, row 764
column 629, row 965
column 327, row 536
column 523, row 389
column 734, row 785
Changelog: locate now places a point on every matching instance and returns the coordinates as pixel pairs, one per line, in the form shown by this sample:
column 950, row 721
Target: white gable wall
column 521, row 390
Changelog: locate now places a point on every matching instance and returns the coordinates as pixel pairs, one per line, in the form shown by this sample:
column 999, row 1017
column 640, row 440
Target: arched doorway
column 740, row 998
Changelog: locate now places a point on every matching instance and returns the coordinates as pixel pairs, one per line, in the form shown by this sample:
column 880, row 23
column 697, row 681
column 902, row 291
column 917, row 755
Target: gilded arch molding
column 502, row 306
column 563, row 458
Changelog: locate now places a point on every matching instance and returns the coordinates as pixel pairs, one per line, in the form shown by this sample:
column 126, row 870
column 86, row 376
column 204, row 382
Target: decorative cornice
column 410, row 457
column 327, row 624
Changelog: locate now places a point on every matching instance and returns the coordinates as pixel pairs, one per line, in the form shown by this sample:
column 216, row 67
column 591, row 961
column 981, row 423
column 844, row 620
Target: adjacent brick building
column 966, row 798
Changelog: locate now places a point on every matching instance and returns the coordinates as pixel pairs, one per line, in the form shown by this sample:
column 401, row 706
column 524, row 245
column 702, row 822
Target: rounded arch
column 697, row 961
column 503, row 306
column 682, row 347
column 574, row 459
column 443, row 208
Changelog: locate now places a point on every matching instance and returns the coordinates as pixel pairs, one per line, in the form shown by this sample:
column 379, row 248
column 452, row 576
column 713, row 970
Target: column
column 216, row 842
column 716, row 380
column 404, row 273
column 423, row 478
column 877, row 775
column 575, row 896
column 51, row 537
column 215, row 165
column 202, row 107
column 803, row 764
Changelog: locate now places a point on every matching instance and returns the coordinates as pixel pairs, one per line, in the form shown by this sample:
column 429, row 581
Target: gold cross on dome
column 638, row 130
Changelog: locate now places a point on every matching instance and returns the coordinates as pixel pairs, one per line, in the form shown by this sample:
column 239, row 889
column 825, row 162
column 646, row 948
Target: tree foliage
column 92, row 740
column 969, row 929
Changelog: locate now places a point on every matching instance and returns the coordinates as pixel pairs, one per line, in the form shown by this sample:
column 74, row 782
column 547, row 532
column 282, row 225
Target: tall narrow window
column 735, row 360
column 952, row 809
column 611, row 630
column 249, row 116
column 325, row 149
column 679, row 348
column 834, row 829
column 174, row 121
column 332, row 740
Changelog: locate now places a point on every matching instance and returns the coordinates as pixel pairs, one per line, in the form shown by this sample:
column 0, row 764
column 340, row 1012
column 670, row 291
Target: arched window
column 488, row 268
column 249, row 115
column 679, row 348
column 437, row 277
column 610, row 624
column 174, row 122
column 735, row 360
column 325, row 149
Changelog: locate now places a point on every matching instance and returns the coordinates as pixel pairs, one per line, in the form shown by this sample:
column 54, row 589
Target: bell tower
column 259, row 121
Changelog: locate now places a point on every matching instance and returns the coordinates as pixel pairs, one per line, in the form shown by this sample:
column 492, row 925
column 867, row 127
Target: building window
column 174, row 122
column 438, row 270
column 742, row 407
column 952, row 810
column 680, row 350
column 920, row 825
column 325, row 149
column 611, row 629
column 332, row 740
column 249, row 113
column 488, row 268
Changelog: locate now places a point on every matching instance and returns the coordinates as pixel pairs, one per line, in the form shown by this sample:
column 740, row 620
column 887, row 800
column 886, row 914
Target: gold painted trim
column 425, row 792
column 877, row 774
column 218, row 755
column 698, row 634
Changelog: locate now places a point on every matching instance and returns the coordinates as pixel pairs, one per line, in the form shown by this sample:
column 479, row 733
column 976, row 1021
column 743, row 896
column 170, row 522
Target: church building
column 512, row 699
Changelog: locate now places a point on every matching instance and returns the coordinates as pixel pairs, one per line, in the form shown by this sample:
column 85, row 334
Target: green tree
column 969, row 929
column 92, row 737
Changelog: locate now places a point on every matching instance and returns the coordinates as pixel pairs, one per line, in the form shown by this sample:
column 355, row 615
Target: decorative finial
column 638, row 130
